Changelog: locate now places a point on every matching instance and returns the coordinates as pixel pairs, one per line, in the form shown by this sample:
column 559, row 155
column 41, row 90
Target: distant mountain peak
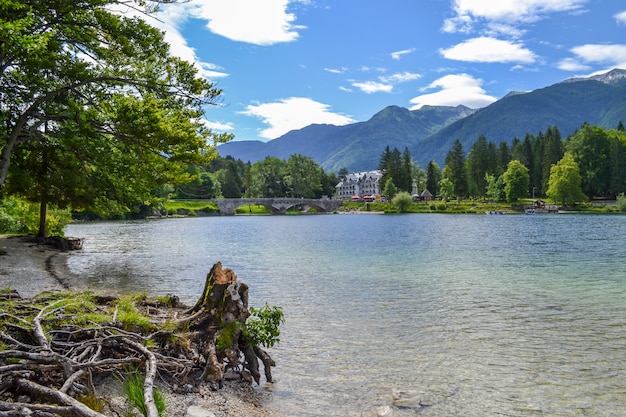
column 614, row 76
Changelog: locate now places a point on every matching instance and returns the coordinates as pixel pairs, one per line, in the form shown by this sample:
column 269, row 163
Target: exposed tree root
column 52, row 346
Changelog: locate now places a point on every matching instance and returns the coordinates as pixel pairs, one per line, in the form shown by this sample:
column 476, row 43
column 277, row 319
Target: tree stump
column 221, row 325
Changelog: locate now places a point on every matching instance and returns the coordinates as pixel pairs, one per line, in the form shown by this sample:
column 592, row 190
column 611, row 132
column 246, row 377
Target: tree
column 457, row 171
column 230, row 181
column 495, row 187
column 303, row 176
column 590, row 147
column 479, row 163
column 397, row 166
column 446, row 189
column 503, row 157
column 433, row 177
column 552, row 153
column 402, row 201
column 81, row 82
column 564, row 184
column 390, row 189
column 516, row 180
column 268, row 178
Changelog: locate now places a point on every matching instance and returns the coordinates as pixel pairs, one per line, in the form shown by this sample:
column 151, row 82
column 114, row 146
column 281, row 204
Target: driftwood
column 47, row 360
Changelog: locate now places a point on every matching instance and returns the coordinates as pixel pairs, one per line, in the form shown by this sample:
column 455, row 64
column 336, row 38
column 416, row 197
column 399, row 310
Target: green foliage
column 20, row 216
column 226, row 336
column 564, row 184
column 402, row 201
column 185, row 207
column 446, row 189
column 456, row 170
column 262, row 327
column 516, row 180
column 252, row 209
column 129, row 314
column 95, row 119
column 303, row 177
column 132, row 386
column 441, row 206
column 390, row 190
column 398, row 167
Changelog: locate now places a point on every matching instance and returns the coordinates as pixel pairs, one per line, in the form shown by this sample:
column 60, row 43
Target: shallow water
column 487, row 315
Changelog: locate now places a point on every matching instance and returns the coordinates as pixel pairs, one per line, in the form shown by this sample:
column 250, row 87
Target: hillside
column 430, row 131
column 356, row 146
column 567, row 105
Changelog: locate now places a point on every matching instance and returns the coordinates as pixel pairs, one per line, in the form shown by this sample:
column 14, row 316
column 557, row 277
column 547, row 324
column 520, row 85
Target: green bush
column 263, row 325
column 20, row 216
column 402, row 201
column 441, row 206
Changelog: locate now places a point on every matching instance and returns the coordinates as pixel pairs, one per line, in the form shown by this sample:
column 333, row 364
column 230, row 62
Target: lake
column 507, row 315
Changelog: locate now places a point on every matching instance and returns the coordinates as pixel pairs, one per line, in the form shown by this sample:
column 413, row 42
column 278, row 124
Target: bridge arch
column 228, row 206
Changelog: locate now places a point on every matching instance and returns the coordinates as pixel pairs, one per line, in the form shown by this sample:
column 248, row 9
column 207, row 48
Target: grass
column 132, row 386
column 129, row 315
column 252, row 209
column 190, row 207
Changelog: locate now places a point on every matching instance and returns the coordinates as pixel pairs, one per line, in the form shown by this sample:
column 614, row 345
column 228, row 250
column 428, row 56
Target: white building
column 359, row 183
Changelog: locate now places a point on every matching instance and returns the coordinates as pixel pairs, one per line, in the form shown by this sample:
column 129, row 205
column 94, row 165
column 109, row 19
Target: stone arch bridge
column 227, row 206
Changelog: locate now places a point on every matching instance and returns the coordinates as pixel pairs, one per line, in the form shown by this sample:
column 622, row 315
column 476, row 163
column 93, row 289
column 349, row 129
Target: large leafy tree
column 564, row 184
column 95, row 111
column 303, row 177
column 268, row 178
column 590, row 147
column 516, row 181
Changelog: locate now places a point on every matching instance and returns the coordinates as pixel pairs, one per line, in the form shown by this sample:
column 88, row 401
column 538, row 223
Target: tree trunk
column 43, row 213
column 225, row 301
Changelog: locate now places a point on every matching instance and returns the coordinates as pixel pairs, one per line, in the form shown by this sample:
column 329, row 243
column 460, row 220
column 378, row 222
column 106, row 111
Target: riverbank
column 30, row 269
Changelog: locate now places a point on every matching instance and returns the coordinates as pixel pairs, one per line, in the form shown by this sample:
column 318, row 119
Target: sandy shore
column 31, row 269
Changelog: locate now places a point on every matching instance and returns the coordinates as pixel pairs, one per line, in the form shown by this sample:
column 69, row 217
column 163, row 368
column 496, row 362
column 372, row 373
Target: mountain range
column 430, row 131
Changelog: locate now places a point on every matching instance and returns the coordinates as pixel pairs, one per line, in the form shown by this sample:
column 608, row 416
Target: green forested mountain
column 598, row 101
column 357, row 146
column 430, row 132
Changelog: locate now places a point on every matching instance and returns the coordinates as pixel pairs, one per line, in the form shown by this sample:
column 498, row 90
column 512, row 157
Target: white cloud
column 252, row 21
column 336, row 70
column 218, row 125
column 370, row 87
column 400, row 77
column 454, row 89
column 484, row 49
column 293, row 113
column 613, row 55
column 470, row 12
column 621, row 17
column 169, row 19
column 571, row 64
column 398, row 54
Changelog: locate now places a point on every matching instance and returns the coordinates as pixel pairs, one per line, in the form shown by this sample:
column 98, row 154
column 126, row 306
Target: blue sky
column 286, row 64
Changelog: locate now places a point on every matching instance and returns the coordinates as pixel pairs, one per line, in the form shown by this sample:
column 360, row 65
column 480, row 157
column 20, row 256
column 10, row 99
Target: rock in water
column 410, row 399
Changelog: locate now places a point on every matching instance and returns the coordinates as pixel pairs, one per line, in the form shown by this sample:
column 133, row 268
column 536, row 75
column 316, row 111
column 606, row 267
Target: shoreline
column 31, row 268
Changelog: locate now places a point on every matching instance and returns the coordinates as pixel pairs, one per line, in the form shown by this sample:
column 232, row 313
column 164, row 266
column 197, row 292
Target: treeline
column 598, row 155
column 298, row 176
